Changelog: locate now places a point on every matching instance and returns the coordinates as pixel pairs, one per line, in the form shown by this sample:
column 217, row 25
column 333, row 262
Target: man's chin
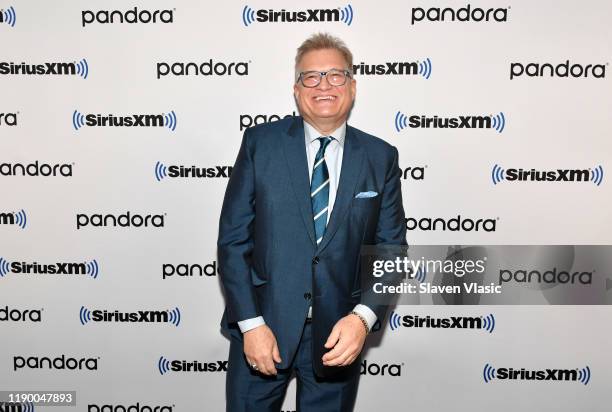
column 326, row 115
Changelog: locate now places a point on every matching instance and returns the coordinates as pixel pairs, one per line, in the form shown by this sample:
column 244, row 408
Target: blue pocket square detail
column 364, row 195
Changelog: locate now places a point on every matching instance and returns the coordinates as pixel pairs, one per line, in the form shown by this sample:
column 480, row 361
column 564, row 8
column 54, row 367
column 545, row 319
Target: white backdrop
column 551, row 122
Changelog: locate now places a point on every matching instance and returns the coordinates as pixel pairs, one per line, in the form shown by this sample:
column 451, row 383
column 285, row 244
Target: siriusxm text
column 52, row 68
column 309, row 15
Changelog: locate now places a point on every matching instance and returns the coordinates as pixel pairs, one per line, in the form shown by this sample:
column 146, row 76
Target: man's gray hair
column 321, row 41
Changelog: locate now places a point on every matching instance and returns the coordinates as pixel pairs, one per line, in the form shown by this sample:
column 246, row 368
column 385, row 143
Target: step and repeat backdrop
column 119, row 125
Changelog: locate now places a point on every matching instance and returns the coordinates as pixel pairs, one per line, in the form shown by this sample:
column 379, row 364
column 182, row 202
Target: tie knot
column 325, row 141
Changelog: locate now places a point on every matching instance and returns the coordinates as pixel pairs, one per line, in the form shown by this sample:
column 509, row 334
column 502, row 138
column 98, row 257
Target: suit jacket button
column 307, row 296
column 315, row 260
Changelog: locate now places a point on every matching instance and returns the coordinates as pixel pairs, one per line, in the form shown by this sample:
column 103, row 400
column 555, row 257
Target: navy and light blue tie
column 319, row 189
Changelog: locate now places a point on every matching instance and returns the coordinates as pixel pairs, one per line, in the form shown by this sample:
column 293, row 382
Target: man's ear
column 296, row 91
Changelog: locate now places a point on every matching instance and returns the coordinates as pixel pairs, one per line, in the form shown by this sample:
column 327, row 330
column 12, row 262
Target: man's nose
column 324, row 84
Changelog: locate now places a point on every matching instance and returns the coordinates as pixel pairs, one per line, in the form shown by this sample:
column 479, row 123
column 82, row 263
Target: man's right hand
column 260, row 348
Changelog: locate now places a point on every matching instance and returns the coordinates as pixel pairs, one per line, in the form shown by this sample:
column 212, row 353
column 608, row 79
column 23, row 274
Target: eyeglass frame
column 347, row 75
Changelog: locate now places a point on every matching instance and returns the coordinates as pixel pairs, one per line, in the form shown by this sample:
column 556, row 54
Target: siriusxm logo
column 127, row 219
column 184, row 270
column 173, row 171
column 8, row 119
column 8, row 16
column 17, row 315
column 14, row 218
column 89, row 268
column 172, row 316
column 594, row 175
column 462, row 14
column 202, row 69
column 496, row 122
column 341, row 14
column 60, row 363
column 80, row 69
column 455, row 224
column 131, row 16
column 164, row 366
column 414, row 173
column 16, row 407
column 136, row 407
column 247, row 120
column 36, row 169
column 375, row 369
column 134, row 120
column 416, row 68
column 566, row 70
column 486, row 323
column 551, row 277
column 582, row 375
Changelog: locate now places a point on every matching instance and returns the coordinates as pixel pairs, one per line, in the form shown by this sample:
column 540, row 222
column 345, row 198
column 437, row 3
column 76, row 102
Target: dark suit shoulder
column 374, row 145
column 273, row 128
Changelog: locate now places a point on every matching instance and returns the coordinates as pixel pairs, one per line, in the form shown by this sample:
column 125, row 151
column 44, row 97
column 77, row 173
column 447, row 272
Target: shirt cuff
column 252, row 323
column 367, row 313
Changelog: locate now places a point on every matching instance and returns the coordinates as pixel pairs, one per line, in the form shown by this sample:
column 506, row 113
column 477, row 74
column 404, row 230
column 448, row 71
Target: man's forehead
column 323, row 59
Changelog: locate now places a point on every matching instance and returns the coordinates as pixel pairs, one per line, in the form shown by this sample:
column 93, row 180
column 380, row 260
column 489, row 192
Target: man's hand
column 346, row 339
column 260, row 348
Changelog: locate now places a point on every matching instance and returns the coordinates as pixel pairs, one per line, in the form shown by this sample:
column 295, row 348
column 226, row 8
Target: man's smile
column 325, row 97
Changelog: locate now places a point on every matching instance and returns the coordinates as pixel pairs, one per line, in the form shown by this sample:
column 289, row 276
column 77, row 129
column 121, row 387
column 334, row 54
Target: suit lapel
column 295, row 154
column 352, row 162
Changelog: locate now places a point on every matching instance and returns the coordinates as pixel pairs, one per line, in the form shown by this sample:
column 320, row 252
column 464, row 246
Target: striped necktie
column 319, row 189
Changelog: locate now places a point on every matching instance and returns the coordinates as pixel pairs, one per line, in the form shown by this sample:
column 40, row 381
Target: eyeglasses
column 335, row 77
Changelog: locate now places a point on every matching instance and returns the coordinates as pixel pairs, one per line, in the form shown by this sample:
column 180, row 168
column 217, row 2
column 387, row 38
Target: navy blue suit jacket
column 269, row 262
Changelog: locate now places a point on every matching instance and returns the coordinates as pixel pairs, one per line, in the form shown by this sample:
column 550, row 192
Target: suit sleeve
column 235, row 241
column 391, row 228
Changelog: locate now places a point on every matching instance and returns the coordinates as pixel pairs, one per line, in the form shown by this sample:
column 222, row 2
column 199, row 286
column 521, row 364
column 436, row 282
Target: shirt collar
column 310, row 133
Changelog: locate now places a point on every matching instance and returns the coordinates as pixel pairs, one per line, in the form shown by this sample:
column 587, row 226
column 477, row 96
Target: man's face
column 324, row 103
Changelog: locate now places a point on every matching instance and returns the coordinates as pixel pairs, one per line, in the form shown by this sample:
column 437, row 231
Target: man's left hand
column 346, row 339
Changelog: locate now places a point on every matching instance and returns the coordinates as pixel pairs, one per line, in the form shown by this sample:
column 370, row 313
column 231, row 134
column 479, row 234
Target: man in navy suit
column 304, row 195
